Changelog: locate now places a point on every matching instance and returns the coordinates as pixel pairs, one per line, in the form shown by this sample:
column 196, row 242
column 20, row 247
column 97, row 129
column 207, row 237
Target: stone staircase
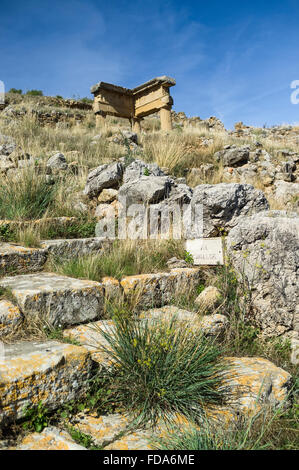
column 56, row 372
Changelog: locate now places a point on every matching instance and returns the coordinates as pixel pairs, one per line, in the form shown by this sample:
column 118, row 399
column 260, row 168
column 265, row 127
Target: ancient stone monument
column 135, row 104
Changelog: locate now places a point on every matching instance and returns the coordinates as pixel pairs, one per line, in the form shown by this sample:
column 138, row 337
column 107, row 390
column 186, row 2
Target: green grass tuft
column 160, row 368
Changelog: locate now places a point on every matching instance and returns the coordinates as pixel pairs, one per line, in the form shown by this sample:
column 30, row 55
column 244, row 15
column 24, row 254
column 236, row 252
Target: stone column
column 165, row 117
column 136, row 125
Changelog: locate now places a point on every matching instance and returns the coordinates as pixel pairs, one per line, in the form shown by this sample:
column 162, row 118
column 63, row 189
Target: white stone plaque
column 206, row 251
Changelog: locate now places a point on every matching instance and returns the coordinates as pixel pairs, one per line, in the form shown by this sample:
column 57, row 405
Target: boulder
column 57, row 162
column 224, row 203
column 58, row 300
column 286, row 192
column 51, row 372
column 107, row 195
column 264, row 249
column 102, row 177
column 234, row 156
column 213, row 325
column 147, row 189
column 208, row 298
column 8, row 148
column 130, row 136
column 51, row 438
column 176, row 263
column 254, row 384
column 138, row 168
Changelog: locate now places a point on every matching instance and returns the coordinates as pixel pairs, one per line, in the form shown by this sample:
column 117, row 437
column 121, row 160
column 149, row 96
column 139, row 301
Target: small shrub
column 16, row 91
column 160, row 369
column 34, row 93
column 188, row 257
column 36, row 419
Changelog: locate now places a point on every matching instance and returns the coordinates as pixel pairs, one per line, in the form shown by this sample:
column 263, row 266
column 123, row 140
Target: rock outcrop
column 264, row 248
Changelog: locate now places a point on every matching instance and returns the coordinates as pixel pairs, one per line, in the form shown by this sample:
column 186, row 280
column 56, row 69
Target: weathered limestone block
column 286, row 192
column 208, row 298
column 57, row 162
column 255, row 382
column 234, row 156
column 213, row 325
column 14, row 258
column 156, row 289
column 210, row 325
column 138, row 168
column 168, row 312
column 264, row 250
column 90, row 337
column 10, row 318
column 112, row 288
column 107, row 195
column 51, row 438
column 224, row 203
column 102, row 177
column 59, row 300
column 50, row 372
column 147, row 189
column 75, row 247
column 105, row 431
column 138, row 440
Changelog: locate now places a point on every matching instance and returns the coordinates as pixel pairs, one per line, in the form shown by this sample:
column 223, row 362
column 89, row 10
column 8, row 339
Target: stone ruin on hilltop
column 134, row 104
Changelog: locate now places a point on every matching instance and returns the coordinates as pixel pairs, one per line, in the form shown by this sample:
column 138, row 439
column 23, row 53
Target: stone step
column 58, row 300
column 51, row 372
column 89, row 335
column 156, row 289
column 111, row 432
column 252, row 381
column 50, row 438
column 10, row 318
column 16, row 258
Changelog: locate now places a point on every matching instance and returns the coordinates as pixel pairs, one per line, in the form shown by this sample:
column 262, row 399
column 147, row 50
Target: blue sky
column 232, row 59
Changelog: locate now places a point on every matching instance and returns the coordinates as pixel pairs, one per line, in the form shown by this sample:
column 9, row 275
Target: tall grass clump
column 209, row 436
column 124, row 258
column 25, row 197
column 266, row 430
column 165, row 150
column 160, row 369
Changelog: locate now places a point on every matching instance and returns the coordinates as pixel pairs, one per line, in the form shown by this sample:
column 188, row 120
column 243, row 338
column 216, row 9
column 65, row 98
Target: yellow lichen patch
column 50, row 439
column 49, row 372
column 102, row 429
column 255, row 382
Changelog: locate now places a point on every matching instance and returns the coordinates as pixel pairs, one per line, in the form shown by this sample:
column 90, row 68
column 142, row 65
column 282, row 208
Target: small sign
column 206, row 251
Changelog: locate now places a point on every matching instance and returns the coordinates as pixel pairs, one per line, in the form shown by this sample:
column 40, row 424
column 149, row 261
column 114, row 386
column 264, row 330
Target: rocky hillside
column 122, row 343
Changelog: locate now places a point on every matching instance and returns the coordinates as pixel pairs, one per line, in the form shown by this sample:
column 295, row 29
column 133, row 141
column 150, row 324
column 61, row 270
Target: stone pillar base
column 136, row 125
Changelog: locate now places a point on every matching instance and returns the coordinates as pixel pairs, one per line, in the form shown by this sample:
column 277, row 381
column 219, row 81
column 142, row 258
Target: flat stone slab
column 19, row 259
column 50, row 438
column 16, row 258
column 51, row 372
column 157, row 289
column 89, row 336
column 59, row 300
column 75, row 246
column 111, row 432
column 210, row 325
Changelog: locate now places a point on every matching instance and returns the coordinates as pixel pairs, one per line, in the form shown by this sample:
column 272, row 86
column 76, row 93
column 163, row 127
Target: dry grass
column 124, row 258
